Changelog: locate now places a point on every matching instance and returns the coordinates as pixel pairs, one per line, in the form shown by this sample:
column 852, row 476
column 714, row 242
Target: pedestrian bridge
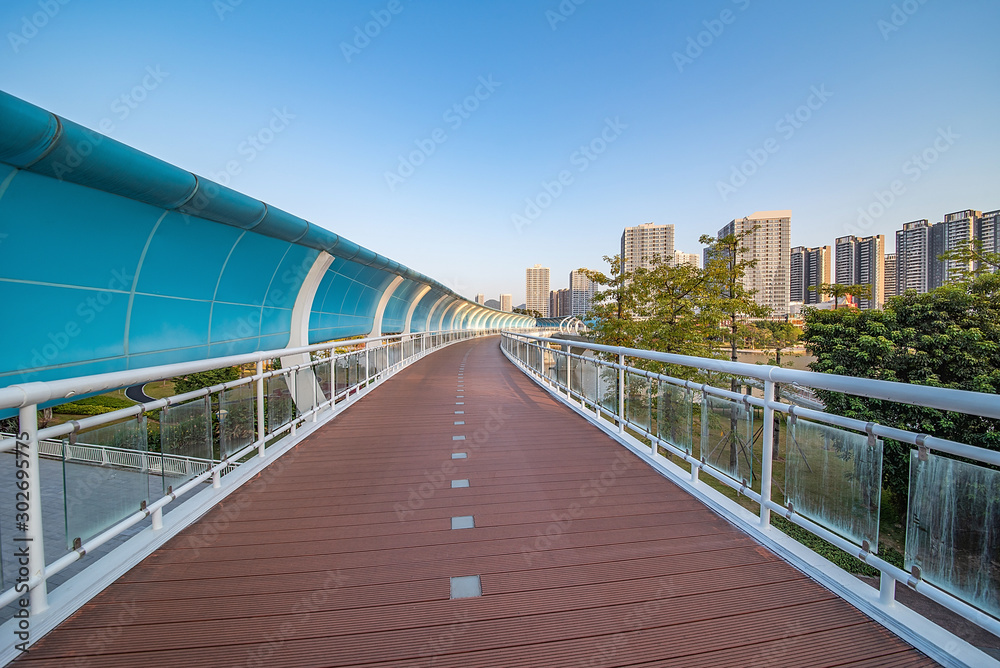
column 397, row 476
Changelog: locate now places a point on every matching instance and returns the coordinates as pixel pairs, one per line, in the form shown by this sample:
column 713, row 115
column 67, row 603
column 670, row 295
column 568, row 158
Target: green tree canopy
column 196, row 381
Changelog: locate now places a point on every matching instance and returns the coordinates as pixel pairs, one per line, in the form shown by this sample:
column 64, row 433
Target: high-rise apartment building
column 988, row 232
column 506, row 303
column 769, row 245
column 642, row 243
column 808, row 267
column 481, row 298
column 957, row 230
column 913, row 257
column 692, row 259
column 581, row 293
column 559, row 303
column 889, row 277
column 536, row 289
column 859, row 261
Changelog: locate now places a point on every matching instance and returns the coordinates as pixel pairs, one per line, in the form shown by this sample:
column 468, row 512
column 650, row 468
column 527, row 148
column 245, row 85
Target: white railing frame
column 516, row 347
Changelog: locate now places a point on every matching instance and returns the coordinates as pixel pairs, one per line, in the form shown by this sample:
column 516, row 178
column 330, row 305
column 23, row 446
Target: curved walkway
column 343, row 552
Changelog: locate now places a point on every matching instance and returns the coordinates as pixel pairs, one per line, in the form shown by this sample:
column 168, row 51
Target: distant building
column 955, row 232
column 808, row 267
column 890, row 276
column 859, row 261
column 581, row 293
column 559, row 303
column 481, row 298
column 988, row 232
column 913, row 257
column 769, row 246
column 642, row 243
column 505, row 303
column 536, row 289
column 692, row 259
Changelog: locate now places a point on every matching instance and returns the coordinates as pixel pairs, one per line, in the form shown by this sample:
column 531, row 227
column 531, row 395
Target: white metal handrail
column 516, row 347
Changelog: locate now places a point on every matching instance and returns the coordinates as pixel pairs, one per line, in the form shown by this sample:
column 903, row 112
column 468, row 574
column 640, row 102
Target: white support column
column 382, row 303
column 430, row 314
column 413, row 307
column 299, row 335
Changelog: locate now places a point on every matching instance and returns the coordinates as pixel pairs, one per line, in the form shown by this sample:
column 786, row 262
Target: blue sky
column 600, row 114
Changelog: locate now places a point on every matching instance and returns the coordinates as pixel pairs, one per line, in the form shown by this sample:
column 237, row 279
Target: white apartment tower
column 913, row 257
column 506, row 303
column 808, row 267
column 859, row 261
column 536, row 289
column 769, row 245
column 642, row 243
column 890, row 276
column 581, row 293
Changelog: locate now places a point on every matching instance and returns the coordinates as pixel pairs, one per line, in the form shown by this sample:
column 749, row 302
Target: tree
column 619, row 309
column 949, row 337
column 840, row 290
column 780, row 335
column 970, row 253
column 730, row 303
column 529, row 312
column 196, row 381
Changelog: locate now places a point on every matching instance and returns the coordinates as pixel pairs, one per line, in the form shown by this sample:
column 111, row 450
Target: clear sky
column 628, row 111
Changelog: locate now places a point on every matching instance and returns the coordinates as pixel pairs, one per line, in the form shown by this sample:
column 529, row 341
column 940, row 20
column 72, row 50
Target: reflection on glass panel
column 675, row 415
column 607, row 389
column 105, row 477
column 306, row 390
column 236, row 419
column 280, row 407
column 588, row 372
column 953, row 528
column 362, row 366
column 727, row 437
column 185, row 441
column 324, row 377
column 834, row 477
column 341, row 374
column 576, row 375
column 637, row 402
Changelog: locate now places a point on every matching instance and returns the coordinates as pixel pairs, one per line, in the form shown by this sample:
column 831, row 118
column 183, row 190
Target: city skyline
column 330, row 126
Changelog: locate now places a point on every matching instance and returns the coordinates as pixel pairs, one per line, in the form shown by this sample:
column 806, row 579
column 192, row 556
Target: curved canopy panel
column 114, row 259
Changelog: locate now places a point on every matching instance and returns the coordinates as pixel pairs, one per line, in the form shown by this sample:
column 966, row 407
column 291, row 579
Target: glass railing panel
column 953, row 528
column 306, row 391
column 185, row 441
column 675, row 415
column 607, row 389
column 576, row 365
column 637, row 400
column 834, row 478
column 280, row 406
column 324, row 378
column 352, row 370
column 341, row 374
column 106, row 477
column 727, row 437
column 237, row 417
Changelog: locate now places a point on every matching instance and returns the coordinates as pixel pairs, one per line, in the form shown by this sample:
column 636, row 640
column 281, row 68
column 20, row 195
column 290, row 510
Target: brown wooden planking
column 644, row 567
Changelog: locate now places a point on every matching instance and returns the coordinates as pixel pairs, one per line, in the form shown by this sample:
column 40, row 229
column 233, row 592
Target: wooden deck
column 341, row 554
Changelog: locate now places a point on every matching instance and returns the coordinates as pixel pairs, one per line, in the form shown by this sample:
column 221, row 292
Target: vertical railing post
column 767, row 455
column 261, row 432
column 33, row 541
column 621, row 393
column 887, row 590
